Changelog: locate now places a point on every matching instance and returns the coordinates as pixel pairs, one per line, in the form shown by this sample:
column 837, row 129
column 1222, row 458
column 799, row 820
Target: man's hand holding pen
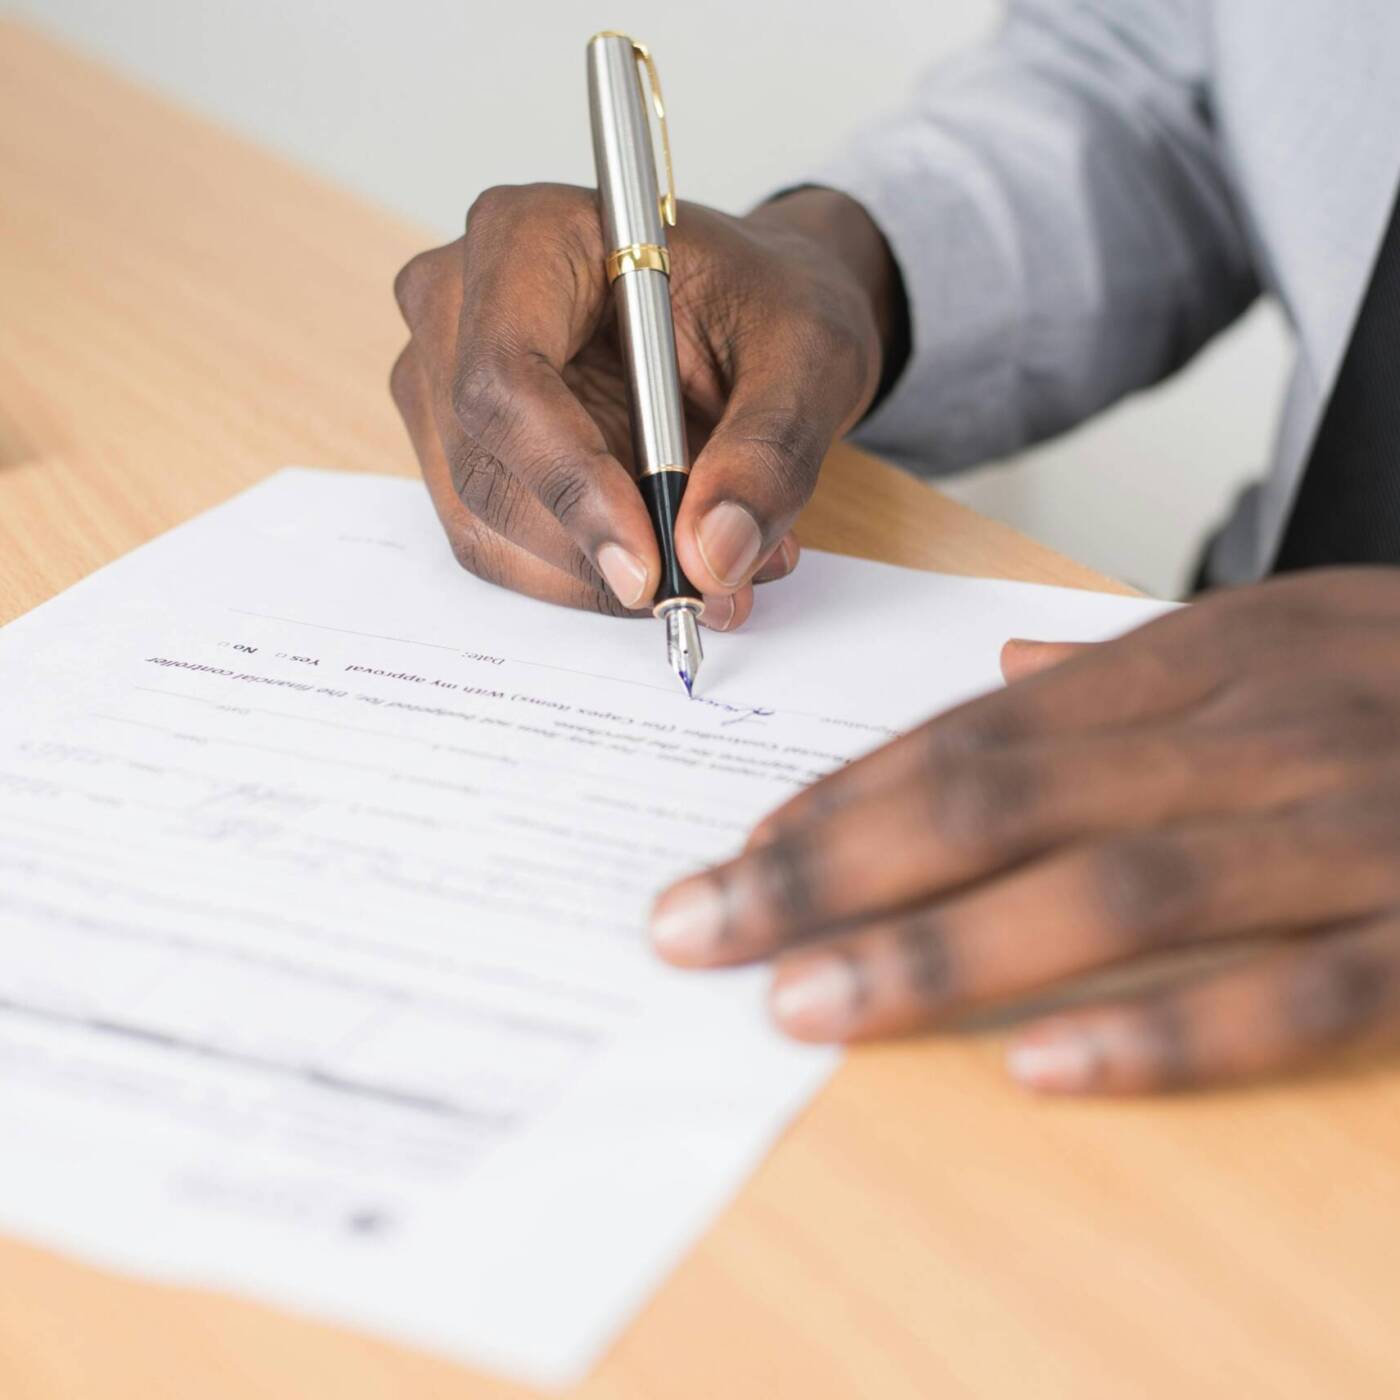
column 512, row 390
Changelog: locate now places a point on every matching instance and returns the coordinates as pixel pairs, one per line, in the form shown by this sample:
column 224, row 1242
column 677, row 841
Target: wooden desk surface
column 181, row 314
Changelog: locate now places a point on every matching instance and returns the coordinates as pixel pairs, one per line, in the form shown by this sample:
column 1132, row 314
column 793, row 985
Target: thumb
column 1021, row 658
column 757, row 471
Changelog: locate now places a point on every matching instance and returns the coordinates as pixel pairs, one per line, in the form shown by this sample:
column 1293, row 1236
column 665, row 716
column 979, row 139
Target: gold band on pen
column 638, row 257
column 661, row 609
column 664, row 467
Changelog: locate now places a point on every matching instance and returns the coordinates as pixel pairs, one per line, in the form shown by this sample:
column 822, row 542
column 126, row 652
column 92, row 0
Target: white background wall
column 421, row 103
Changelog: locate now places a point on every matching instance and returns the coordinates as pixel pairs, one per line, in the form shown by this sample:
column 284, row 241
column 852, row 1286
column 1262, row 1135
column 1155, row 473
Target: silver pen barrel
column 634, row 217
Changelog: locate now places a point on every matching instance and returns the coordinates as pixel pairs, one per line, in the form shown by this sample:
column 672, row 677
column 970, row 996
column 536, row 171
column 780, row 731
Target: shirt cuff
column 950, row 232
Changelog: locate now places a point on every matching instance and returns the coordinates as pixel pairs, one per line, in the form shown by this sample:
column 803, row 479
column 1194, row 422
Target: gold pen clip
column 667, row 200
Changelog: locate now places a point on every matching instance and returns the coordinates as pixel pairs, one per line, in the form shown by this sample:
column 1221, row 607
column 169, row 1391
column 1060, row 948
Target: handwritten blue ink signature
column 739, row 712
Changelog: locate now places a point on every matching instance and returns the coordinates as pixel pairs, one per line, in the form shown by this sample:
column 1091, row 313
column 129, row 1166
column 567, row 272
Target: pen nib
column 683, row 644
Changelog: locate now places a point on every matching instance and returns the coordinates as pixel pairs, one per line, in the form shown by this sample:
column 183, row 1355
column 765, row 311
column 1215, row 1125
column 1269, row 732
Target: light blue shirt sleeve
column 1060, row 211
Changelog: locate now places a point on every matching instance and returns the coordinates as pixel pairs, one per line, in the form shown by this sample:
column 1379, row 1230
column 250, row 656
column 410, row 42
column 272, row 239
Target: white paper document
column 323, row 875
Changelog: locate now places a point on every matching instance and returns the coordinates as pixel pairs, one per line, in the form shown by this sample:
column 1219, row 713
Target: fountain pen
column 635, row 216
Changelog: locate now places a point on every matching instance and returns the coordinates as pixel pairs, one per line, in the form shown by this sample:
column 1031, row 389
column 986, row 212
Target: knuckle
column 979, row 803
column 488, row 490
column 415, row 283
column 482, row 400
column 476, row 476
column 972, row 729
column 1330, row 996
column 494, row 205
column 563, row 487
column 559, row 217
column 1161, row 1029
column 402, row 380
column 480, row 552
column 787, row 874
column 926, row 961
column 1148, row 885
column 576, row 225
column 1263, row 624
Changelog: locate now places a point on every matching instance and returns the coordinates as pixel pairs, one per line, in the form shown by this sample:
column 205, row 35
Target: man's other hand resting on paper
column 1229, row 772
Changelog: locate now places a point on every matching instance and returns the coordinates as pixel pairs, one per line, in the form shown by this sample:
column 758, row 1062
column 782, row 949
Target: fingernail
column 817, row 999
column 688, row 921
column 719, row 612
column 1061, row 1062
column 625, row 573
column 729, row 540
